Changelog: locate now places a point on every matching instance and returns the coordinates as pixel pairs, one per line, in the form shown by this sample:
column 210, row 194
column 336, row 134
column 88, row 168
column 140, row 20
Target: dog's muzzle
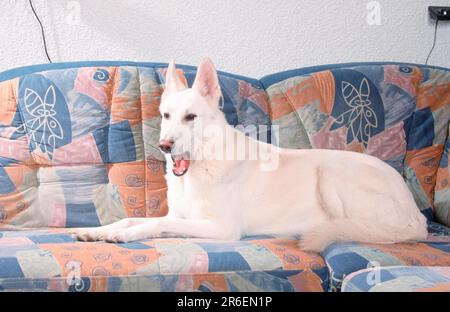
column 166, row 146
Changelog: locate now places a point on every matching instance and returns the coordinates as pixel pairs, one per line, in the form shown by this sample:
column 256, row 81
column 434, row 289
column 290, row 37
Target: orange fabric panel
column 216, row 282
column 150, row 103
column 8, row 100
column 324, row 82
column 130, row 180
column 425, row 163
column 156, row 189
column 125, row 106
column 303, row 93
column 306, row 281
column 100, row 258
column 433, row 96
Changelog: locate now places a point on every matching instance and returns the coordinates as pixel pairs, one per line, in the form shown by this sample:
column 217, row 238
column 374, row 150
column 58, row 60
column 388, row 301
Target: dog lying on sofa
column 225, row 185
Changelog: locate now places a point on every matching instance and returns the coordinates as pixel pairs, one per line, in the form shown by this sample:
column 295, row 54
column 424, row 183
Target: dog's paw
column 88, row 235
column 118, row 236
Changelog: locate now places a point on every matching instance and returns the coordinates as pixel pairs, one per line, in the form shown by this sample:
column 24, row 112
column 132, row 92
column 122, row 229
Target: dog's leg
column 358, row 230
column 169, row 226
column 98, row 233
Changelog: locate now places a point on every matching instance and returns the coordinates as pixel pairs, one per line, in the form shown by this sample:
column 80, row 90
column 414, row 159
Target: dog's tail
column 350, row 230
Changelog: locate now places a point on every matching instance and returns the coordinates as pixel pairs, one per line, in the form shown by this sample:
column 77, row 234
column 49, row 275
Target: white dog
column 218, row 190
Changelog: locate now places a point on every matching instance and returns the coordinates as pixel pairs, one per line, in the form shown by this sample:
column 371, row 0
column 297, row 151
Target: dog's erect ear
column 175, row 80
column 206, row 82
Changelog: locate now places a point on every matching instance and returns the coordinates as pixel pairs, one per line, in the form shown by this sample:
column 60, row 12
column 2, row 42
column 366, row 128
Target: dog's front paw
column 118, row 236
column 88, row 235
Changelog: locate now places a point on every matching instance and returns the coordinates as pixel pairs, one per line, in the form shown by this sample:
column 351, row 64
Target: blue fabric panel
column 26, row 70
column 9, row 267
column 438, row 229
column 121, row 147
column 4, row 162
column 45, row 114
column 6, row 185
column 441, row 246
column 79, row 215
column 362, row 279
column 227, row 261
column 269, row 80
column 346, row 262
column 134, row 246
column 51, row 239
column 370, row 116
column 101, row 137
column 419, row 129
column 81, row 285
column 428, row 213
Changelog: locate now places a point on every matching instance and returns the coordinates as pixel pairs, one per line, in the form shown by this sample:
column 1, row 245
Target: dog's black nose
column 166, row 145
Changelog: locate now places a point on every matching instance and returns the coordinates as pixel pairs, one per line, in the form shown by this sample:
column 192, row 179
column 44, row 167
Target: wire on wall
column 42, row 30
column 434, row 42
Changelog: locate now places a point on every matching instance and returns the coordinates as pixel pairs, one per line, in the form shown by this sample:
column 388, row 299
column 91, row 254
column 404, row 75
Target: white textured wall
column 252, row 37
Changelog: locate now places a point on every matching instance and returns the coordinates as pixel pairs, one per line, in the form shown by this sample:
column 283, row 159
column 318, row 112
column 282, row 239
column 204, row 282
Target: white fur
column 324, row 195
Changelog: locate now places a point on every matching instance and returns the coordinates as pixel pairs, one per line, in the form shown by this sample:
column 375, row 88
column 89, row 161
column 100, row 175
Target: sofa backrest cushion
column 78, row 145
column 78, row 142
column 398, row 113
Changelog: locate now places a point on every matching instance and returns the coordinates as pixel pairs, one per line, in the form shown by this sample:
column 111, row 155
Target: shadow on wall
column 241, row 37
column 139, row 31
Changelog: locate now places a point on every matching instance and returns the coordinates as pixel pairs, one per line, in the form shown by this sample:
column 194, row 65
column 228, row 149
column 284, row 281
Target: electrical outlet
column 439, row 13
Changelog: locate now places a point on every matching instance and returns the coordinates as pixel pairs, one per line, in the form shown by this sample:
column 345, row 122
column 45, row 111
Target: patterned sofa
column 78, row 148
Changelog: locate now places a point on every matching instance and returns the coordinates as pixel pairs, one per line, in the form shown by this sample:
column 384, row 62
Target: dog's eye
column 190, row 117
column 166, row 115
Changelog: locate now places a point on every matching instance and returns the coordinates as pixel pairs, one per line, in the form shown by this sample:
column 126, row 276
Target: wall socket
column 439, row 13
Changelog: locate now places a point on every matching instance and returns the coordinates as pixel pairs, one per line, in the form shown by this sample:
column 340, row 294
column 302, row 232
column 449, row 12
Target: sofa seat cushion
column 399, row 279
column 51, row 260
column 345, row 258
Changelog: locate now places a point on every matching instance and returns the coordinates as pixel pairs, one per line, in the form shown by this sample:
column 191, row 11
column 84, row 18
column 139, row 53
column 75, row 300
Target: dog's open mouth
column 180, row 164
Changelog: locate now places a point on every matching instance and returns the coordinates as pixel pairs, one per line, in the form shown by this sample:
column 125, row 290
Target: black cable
column 434, row 42
column 42, row 30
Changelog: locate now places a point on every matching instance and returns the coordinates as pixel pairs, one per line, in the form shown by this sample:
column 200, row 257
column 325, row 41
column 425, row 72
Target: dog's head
column 186, row 112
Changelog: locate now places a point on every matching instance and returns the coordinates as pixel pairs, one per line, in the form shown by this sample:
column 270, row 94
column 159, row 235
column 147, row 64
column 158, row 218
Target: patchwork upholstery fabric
column 442, row 191
column 399, row 279
column 345, row 258
column 397, row 113
column 43, row 260
column 78, row 146
column 81, row 160
column 245, row 105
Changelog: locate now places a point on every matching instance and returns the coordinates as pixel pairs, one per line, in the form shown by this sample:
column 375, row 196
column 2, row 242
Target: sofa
column 79, row 148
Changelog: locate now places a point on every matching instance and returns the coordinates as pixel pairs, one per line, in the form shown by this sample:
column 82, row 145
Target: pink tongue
column 181, row 165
